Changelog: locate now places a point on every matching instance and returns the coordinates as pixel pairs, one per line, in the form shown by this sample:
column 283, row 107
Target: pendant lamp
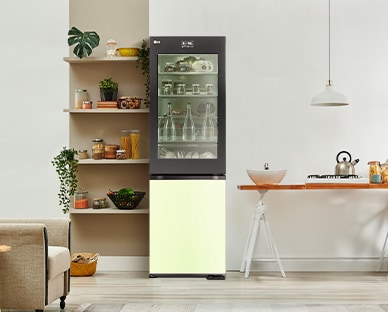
column 329, row 97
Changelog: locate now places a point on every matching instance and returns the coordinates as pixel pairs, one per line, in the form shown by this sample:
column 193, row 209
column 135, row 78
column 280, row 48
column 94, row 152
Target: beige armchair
column 36, row 271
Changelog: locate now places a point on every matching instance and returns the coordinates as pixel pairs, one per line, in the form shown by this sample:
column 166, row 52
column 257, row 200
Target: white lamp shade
column 329, row 97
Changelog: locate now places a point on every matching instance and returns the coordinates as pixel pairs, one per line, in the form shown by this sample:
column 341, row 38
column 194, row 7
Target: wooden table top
column 4, row 248
column 312, row 186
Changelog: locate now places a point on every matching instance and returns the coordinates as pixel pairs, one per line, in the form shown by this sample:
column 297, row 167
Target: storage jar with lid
column 374, row 171
column 384, row 172
column 98, row 149
column 125, row 142
column 81, row 199
column 135, row 142
column 80, row 96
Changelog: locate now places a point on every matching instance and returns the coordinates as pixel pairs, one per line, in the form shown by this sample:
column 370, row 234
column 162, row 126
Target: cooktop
column 335, row 178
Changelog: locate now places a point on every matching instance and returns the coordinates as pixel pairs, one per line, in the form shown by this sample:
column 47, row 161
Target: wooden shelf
column 109, row 211
column 312, row 186
column 91, row 59
column 90, row 161
column 107, row 111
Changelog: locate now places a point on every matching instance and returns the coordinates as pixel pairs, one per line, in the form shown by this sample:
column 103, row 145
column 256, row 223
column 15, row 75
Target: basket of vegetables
column 126, row 198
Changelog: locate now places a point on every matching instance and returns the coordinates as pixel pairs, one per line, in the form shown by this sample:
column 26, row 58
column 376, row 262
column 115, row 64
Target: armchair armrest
column 25, row 263
column 58, row 230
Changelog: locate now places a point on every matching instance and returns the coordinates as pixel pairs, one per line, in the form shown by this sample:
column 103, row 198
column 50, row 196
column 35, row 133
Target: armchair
column 36, row 271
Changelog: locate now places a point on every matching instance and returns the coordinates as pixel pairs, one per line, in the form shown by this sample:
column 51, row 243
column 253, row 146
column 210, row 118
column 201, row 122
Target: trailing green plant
column 66, row 166
column 143, row 61
column 108, row 84
column 85, row 41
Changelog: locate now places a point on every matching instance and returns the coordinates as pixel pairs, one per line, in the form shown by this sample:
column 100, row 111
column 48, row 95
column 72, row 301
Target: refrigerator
column 187, row 157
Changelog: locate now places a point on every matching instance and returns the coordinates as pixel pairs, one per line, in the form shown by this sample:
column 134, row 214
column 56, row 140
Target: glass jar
column 181, row 89
column 196, row 88
column 98, row 149
column 87, row 104
column 183, row 67
column 83, row 154
column 135, row 142
column 384, row 172
column 374, row 171
column 103, row 202
column 120, row 154
column 81, row 199
column 125, row 143
column 96, row 203
column 169, row 67
column 111, row 45
column 80, row 96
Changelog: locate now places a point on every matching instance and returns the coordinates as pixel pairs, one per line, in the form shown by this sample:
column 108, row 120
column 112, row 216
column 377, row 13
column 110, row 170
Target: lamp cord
column 329, row 45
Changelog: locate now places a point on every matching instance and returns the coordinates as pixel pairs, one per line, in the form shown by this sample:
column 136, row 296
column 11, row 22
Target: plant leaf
column 85, row 42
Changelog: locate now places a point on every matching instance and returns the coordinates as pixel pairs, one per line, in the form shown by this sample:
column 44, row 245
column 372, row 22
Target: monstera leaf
column 85, row 41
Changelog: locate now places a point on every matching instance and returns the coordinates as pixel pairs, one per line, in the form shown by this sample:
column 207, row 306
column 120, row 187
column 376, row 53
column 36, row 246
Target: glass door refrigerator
column 187, row 157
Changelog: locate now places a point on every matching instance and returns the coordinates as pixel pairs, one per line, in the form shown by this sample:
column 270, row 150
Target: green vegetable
column 126, row 191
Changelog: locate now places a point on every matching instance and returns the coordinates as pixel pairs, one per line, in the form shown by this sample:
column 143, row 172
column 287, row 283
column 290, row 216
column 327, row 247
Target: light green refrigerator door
column 187, row 227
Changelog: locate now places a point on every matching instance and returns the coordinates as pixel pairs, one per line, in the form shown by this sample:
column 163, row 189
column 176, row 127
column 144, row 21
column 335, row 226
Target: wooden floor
column 259, row 288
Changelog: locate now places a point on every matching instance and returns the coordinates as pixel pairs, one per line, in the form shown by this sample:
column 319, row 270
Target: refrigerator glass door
column 187, row 88
column 187, row 106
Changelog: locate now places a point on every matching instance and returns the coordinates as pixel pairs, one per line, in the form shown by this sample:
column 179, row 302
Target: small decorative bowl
column 128, row 51
column 126, row 201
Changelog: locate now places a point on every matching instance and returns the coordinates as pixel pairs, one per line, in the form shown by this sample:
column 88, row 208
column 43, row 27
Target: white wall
column 277, row 60
column 33, row 80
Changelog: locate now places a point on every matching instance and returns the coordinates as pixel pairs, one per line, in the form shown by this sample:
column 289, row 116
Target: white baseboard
column 321, row 264
column 124, row 263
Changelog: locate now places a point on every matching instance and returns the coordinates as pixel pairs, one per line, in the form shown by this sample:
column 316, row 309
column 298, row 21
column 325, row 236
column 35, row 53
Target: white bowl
column 266, row 176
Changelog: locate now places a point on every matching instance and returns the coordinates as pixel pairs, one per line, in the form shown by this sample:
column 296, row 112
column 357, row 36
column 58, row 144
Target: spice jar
column 81, row 199
column 120, row 154
column 98, row 149
column 96, row 203
column 103, row 202
column 80, row 96
column 374, row 171
column 125, row 143
column 135, row 142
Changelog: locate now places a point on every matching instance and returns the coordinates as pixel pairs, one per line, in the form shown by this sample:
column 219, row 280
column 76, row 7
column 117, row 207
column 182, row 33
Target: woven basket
column 84, row 269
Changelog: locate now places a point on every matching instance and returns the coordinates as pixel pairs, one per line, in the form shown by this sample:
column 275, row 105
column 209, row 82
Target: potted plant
column 84, row 42
column 66, row 165
column 143, row 61
column 108, row 89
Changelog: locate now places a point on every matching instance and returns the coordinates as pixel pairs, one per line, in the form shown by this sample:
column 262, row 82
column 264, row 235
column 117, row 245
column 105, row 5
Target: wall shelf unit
column 109, row 231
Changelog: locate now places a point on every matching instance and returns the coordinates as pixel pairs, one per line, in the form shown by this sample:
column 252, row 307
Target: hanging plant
column 66, row 165
column 85, row 41
column 143, row 61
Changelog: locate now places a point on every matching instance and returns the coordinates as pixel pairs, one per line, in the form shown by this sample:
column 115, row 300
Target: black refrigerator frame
column 189, row 168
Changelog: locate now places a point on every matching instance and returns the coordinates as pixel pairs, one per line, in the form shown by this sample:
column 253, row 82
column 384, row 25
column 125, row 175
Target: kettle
column 343, row 167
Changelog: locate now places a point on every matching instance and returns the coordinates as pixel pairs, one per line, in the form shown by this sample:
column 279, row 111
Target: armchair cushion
column 58, row 260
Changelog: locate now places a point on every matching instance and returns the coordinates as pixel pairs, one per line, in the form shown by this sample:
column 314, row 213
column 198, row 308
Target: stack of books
column 107, row 104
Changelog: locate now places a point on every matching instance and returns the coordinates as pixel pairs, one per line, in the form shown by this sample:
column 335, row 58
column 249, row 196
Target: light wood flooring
column 259, row 288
